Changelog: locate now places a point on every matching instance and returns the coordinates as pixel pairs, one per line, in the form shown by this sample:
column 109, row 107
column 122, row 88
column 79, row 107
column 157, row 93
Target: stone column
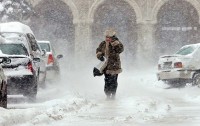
column 146, row 42
column 83, row 45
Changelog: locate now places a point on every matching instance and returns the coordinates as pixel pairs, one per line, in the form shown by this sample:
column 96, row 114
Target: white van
column 17, row 32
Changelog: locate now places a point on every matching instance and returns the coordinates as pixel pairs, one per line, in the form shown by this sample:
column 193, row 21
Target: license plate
column 167, row 65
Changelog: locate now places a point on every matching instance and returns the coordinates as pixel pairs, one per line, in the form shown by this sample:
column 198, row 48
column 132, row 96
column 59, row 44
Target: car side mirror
column 44, row 52
column 36, row 59
column 59, row 56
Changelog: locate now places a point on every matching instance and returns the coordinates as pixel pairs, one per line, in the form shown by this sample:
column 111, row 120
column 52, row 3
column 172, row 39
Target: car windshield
column 185, row 51
column 13, row 49
column 45, row 46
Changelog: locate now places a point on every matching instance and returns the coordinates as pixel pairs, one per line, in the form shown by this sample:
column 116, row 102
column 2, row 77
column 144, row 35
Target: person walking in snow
column 110, row 50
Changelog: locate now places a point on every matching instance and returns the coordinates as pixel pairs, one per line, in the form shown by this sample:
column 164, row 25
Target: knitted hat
column 110, row 33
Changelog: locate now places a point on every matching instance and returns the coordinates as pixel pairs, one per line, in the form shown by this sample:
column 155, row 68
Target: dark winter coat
column 111, row 52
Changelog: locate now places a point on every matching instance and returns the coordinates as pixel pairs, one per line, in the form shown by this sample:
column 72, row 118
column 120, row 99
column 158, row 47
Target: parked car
column 20, row 33
column 51, row 59
column 21, row 73
column 3, row 84
column 43, row 69
column 182, row 66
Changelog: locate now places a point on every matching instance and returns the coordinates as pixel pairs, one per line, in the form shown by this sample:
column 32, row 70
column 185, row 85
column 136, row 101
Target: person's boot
column 108, row 96
column 112, row 97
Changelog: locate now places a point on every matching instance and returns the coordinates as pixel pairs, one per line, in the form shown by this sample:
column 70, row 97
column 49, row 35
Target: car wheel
column 3, row 97
column 196, row 80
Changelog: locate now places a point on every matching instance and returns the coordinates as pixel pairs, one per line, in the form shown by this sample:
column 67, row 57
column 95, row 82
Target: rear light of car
column 50, row 59
column 159, row 67
column 178, row 65
column 30, row 67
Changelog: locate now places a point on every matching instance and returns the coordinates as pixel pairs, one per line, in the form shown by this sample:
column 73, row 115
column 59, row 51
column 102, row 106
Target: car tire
column 196, row 80
column 3, row 97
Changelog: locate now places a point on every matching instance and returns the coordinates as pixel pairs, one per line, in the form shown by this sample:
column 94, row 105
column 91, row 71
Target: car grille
column 167, row 65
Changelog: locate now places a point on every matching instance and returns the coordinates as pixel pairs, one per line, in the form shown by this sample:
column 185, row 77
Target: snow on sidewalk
column 141, row 100
column 49, row 111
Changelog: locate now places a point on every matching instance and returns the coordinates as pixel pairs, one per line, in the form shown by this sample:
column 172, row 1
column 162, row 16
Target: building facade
column 148, row 28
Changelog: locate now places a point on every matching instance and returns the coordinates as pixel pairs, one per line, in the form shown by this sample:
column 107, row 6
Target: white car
column 51, row 59
column 183, row 65
column 21, row 33
column 20, row 72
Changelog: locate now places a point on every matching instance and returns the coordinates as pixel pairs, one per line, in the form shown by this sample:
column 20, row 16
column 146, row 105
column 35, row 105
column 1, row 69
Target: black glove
column 101, row 58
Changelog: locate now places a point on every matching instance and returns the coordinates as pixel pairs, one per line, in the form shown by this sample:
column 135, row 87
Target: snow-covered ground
column 78, row 100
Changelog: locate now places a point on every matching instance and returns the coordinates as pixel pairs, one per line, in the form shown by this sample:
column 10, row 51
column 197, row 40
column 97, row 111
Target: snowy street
column 141, row 100
column 50, row 51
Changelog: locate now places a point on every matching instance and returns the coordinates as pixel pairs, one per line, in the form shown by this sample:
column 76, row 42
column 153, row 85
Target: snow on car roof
column 12, row 42
column 43, row 41
column 193, row 45
column 7, row 41
column 15, row 27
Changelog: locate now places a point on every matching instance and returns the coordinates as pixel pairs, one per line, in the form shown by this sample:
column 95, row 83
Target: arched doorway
column 53, row 21
column 120, row 16
column 177, row 25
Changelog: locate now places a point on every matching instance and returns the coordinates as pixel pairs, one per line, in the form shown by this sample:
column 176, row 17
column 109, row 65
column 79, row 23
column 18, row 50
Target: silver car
column 183, row 66
column 51, row 59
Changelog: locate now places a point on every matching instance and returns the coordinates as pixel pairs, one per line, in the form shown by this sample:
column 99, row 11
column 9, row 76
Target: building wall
column 146, row 13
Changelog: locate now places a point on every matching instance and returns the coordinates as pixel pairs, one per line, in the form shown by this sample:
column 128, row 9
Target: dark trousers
column 110, row 84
